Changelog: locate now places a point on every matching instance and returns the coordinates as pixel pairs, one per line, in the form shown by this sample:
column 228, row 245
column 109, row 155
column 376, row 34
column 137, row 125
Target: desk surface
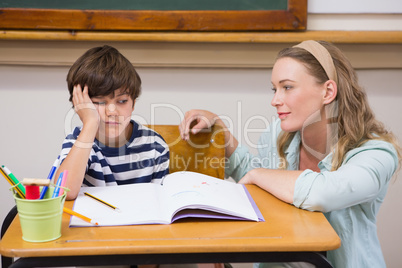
column 286, row 229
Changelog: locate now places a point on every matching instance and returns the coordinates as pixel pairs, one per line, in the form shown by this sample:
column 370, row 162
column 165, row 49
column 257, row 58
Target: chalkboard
column 150, row 4
column 154, row 15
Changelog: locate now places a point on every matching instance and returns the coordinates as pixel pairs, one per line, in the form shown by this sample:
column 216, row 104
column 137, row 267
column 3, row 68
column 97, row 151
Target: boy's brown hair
column 103, row 70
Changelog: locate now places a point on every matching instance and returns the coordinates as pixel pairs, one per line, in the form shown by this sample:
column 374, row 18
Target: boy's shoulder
column 74, row 133
column 148, row 138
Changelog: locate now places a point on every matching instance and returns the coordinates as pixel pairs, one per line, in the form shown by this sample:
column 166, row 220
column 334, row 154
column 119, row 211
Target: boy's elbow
column 71, row 196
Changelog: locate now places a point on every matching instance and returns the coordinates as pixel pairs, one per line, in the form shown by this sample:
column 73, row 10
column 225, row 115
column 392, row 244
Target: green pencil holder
column 41, row 218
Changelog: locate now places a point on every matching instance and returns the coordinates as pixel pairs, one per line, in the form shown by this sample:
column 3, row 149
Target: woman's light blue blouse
column 350, row 197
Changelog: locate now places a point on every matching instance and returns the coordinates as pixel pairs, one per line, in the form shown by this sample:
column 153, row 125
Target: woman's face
column 298, row 97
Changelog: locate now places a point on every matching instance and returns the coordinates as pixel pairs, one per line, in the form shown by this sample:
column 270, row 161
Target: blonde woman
column 326, row 151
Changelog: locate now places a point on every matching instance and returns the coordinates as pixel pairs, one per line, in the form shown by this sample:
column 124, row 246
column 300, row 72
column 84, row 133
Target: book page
column 138, row 204
column 190, row 190
column 151, row 203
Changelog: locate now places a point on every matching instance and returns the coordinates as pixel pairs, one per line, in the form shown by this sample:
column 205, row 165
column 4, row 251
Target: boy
column 110, row 148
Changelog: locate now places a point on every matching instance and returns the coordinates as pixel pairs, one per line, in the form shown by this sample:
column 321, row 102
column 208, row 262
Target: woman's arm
column 361, row 179
column 280, row 183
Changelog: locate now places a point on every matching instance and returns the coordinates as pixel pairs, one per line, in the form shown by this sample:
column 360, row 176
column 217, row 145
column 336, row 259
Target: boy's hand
column 84, row 107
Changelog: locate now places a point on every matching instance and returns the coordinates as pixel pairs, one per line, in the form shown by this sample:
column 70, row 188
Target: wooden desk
column 288, row 234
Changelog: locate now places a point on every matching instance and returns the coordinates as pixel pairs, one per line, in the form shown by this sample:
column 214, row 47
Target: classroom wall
column 36, row 114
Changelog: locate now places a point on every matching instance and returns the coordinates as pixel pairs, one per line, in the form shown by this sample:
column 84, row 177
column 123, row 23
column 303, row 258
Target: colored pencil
column 57, row 187
column 78, row 215
column 63, row 182
column 50, row 176
column 66, row 210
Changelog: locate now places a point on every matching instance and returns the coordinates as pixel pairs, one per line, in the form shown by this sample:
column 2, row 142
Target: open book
column 179, row 195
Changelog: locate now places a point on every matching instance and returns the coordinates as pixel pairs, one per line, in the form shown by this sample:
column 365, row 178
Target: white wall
column 355, row 6
column 356, row 15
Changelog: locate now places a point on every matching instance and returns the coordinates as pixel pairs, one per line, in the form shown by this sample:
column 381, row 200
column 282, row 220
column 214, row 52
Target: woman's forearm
column 280, row 183
column 231, row 142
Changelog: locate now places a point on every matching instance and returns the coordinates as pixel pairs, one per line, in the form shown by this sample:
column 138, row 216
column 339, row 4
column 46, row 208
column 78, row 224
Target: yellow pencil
column 78, row 215
column 10, row 181
column 101, row 201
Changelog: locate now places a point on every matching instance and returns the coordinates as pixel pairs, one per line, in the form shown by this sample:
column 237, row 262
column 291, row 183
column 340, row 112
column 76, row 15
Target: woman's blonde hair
column 351, row 112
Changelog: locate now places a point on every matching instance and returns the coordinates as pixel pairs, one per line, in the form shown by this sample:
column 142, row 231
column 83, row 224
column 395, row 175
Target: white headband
column 322, row 55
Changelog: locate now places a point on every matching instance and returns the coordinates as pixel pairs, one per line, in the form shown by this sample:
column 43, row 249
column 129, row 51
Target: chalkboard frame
column 292, row 19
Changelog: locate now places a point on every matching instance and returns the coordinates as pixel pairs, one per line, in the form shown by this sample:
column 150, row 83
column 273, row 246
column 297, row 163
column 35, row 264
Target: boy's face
column 114, row 114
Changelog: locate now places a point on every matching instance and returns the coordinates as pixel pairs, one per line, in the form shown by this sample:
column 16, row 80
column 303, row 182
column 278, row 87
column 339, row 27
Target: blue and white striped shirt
column 144, row 158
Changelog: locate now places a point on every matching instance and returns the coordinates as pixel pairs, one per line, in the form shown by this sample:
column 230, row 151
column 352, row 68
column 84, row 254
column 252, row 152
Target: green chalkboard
column 150, row 4
column 154, row 15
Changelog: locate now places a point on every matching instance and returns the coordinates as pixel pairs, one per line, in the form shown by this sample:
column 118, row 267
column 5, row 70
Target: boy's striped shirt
column 145, row 158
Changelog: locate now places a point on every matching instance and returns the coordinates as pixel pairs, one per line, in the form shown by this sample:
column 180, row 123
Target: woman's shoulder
column 375, row 146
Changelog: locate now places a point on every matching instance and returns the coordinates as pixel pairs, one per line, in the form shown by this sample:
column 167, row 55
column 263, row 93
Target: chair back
column 203, row 153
